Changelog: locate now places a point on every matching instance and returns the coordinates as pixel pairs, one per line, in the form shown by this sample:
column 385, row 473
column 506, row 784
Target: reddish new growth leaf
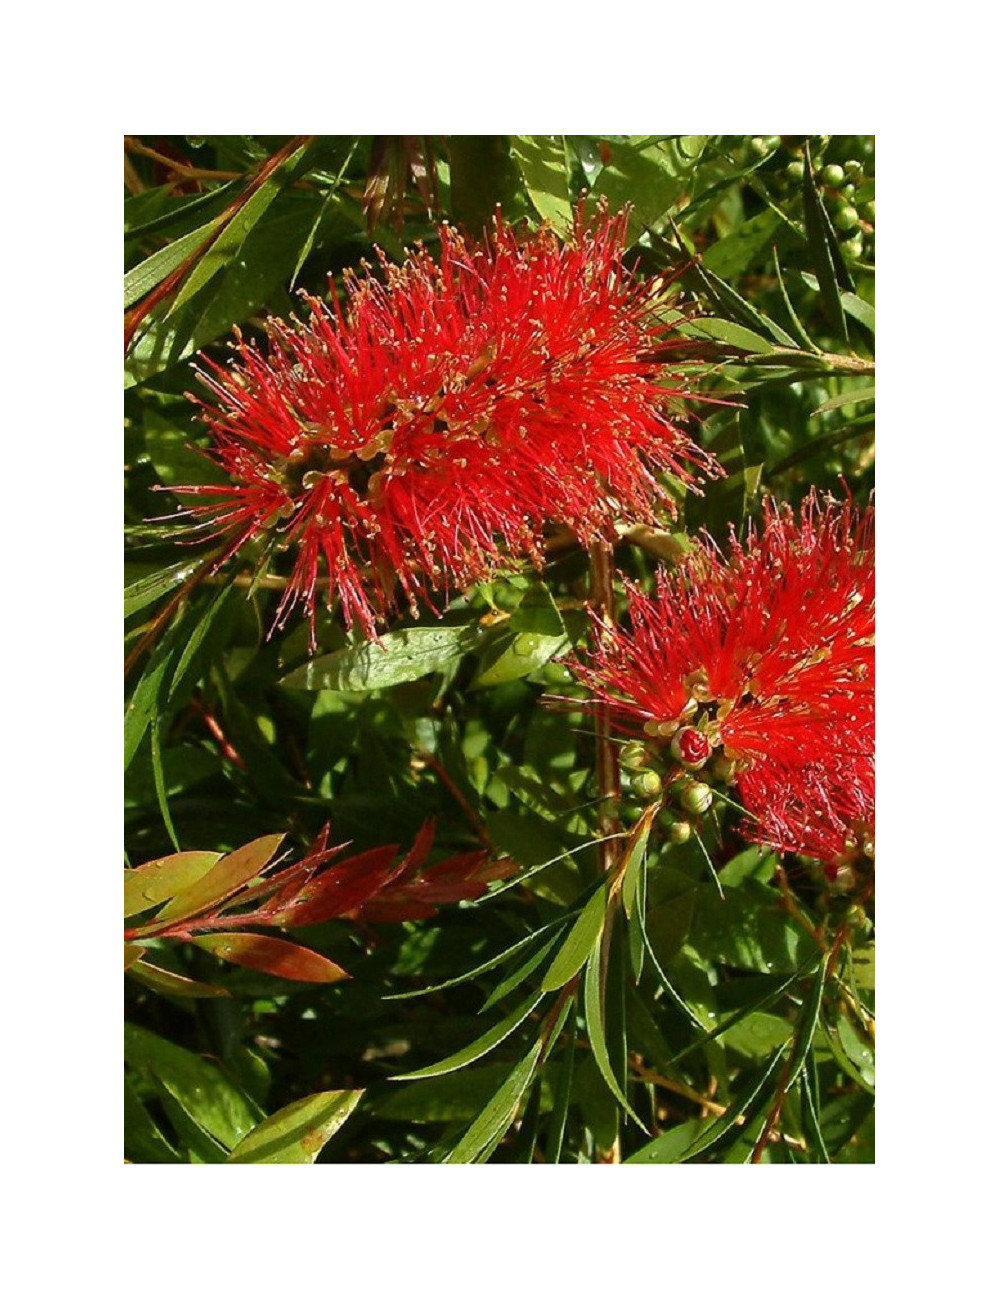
column 375, row 885
column 770, row 655
column 416, row 438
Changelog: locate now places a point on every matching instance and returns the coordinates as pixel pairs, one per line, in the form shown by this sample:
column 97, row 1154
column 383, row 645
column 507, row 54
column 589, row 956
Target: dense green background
column 772, row 240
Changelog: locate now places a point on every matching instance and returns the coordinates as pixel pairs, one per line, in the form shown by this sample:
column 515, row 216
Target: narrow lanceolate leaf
column 173, row 985
column 148, row 274
column 227, row 245
column 133, row 952
column 805, row 1025
column 480, row 1047
column 149, row 589
column 296, row 1134
column 279, row 957
column 499, row 1112
column 744, row 1103
column 823, row 246
column 403, row 656
column 634, row 857
column 593, row 1007
column 861, row 311
column 866, row 393
column 156, row 881
column 737, row 336
column 579, row 943
column 223, row 879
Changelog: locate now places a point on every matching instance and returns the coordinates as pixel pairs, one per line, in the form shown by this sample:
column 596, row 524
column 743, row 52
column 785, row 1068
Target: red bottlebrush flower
column 419, row 437
column 768, row 656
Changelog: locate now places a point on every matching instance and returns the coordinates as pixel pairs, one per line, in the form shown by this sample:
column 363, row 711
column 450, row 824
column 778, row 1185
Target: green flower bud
column 680, row 832
column 647, row 785
column 758, row 146
column 633, row 756
column 795, row 170
column 853, row 168
column 869, row 210
column 853, row 247
column 696, row 798
column 846, row 218
column 833, row 174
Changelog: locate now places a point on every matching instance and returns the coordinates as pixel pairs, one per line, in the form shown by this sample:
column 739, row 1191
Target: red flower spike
column 775, row 647
column 424, row 434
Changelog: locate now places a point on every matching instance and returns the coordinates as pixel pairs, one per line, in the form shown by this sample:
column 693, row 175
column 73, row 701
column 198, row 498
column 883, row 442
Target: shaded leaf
column 171, row 984
column 493, row 1036
column 199, row 1088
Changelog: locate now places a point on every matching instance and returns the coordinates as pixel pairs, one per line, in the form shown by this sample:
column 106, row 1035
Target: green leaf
column 541, row 160
column 725, row 331
column 499, row 1112
column 144, row 1142
column 669, row 1147
column 224, row 878
column 743, row 1105
column 226, row 248
column 748, row 929
column 594, row 1016
column 579, row 943
column 199, row 1088
column 296, row 1134
column 503, row 1029
column 733, row 254
column 635, row 855
column 403, row 656
column 148, row 274
column 149, row 589
column 478, row 970
column 277, row 957
column 866, row 393
column 517, row 654
column 824, row 248
column 521, row 973
column 863, row 312
column 172, row 985
column 157, row 881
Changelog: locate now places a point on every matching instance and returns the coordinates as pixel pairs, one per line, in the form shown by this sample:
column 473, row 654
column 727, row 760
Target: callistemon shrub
column 753, row 673
column 423, row 433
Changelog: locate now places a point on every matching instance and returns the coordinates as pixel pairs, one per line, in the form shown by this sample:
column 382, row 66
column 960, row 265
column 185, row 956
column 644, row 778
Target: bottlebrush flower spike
column 770, row 654
column 418, row 438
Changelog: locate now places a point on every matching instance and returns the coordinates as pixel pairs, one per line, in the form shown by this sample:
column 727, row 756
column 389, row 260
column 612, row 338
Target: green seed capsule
column 853, row 247
column 853, row 168
column 758, row 146
column 869, row 210
column 848, row 191
column 833, row 174
column 795, row 170
column 696, row 798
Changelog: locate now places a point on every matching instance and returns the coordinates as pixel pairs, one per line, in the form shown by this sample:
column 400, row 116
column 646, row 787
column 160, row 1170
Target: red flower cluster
column 770, row 656
column 419, row 437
